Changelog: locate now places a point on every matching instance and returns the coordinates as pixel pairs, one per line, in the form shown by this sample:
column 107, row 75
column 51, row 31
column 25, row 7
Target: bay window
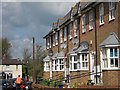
column 110, row 57
column 73, row 62
column 83, row 61
column 46, row 66
column 61, row 64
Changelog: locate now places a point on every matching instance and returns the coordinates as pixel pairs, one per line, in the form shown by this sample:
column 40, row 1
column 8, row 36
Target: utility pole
column 33, row 59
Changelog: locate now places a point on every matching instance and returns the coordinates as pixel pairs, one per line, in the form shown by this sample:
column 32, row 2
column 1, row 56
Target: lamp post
column 50, row 54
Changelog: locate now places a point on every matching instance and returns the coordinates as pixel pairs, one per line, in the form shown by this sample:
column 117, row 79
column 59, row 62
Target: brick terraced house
column 85, row 45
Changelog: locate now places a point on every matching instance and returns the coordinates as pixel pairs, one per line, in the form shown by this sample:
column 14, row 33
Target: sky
column 21, row 21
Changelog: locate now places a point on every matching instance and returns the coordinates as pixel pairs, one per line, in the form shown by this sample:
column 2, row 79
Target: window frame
column 83, row 23
column 73, row 62
column 106, row 64
column 91, row 19
column 76, row 25
column 80, row 62
column 70, row 29
column 56, row 37
column 101, row 14
column 111, row 10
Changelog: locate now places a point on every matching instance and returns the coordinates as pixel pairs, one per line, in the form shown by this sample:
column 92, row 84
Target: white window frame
column 56, row 65
column 111, row 10
column 84, row 23
column 91, row 20
column 101, row 14
column 76, row 28
column 106, row 64
column 70, row 28
column 61, row 64
column 80, row 62
column 73, row 62
column 56, row 36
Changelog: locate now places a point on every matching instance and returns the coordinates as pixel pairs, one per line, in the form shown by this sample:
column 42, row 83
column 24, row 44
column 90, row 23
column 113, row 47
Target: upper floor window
column 110, row 57
column 53, row 39
column 48, row 43
column 70, row 28
column 56, row 37
column 61, row 36
column 65, row 33
column 91, row 20
column 76, row 28
column 111, row 10
column 101, row 13
column 83, row 23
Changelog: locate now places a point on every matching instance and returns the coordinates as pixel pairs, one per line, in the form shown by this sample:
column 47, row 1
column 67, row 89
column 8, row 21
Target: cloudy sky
column 23, row 20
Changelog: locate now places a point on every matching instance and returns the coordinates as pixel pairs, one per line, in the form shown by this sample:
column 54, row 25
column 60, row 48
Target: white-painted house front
column 11, row 68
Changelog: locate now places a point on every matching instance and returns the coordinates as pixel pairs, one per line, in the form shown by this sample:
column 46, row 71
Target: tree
column 26, row 55
column 40, row 54
column 26, row 59
column 5, row 48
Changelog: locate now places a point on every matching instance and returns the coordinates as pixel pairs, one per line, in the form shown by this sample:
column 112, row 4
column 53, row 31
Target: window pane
column 115, row 52
column 116, row 62
column 111, row 62
column 75, row 58
column 111, row 52
column 75, row 65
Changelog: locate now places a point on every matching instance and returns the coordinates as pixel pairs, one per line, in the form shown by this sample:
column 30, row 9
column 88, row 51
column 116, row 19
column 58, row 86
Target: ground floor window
column 110, row 57
column 73, row 62
column 83, row 61
column 46, row 66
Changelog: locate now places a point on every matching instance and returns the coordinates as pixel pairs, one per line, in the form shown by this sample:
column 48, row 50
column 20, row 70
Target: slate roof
column 66, row 18
column 12, row 62
column 60, row 54
column 46, row 58
column 112, row 39
column 55, row 55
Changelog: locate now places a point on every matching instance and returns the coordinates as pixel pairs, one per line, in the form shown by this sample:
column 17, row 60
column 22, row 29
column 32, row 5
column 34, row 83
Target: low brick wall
column 40, row 87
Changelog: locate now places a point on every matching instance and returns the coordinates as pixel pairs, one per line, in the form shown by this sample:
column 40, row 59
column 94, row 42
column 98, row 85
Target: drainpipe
column 95, row 43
